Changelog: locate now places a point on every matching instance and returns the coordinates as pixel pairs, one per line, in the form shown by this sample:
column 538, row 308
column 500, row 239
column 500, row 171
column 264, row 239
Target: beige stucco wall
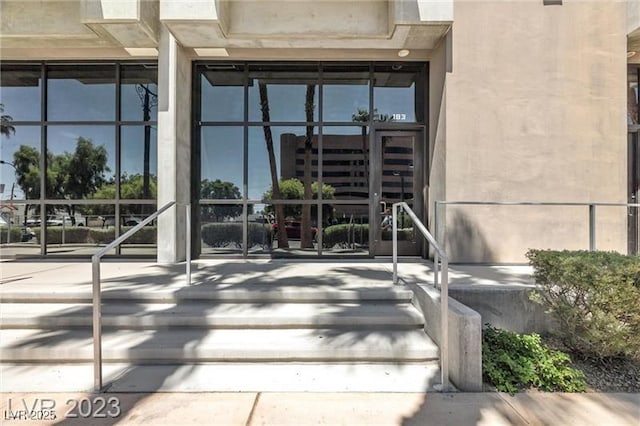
column 535, row 111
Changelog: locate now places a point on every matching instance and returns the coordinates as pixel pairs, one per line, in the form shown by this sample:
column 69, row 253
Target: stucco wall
column 535, row 110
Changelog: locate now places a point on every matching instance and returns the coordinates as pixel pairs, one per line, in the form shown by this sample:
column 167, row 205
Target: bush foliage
column 16, row 234
column 339, row 234
column 225, row 234
column 85, row 235
column 512, row 362
column 595, row 296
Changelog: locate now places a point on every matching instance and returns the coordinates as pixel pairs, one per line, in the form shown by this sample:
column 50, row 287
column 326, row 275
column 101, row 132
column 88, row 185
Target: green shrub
column 146, row 235
column 102, row 236
column 86, row 235
column 512, row 362
column 339, row 234
column 16, row 234
column 595, row 296
column 72, row 234
column 224, row 234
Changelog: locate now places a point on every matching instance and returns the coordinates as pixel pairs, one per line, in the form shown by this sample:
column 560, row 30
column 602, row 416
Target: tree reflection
column 6, row 128
column 283, row 241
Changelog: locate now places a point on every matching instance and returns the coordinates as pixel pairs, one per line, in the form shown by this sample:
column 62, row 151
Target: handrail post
column 435, row 221
column 97, row 326
column 97, row 296
column 436, row 261
column 394, row 212
column 444, row 312
column 188, row 242
column 592, row 227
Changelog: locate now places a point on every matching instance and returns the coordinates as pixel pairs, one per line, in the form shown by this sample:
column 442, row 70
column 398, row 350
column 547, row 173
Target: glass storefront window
column 222, row 162
column 346, row 94
column 394, row 94
column 139, row 93
column 632, row 96
column 143, row 242
column 288, row 157
column 20, row 175
column 222, row 95
column 346, row 162
column 346, row 230
column 20, row 92
column 80, row 162
column 138, row 164
column 281, row 98
column 284, row 95
column 81, row 93
column 221, row 228
column 77, row 230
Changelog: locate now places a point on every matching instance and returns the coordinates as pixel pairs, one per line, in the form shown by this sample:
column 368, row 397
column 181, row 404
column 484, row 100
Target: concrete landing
column 334, row 409
column 225, row 377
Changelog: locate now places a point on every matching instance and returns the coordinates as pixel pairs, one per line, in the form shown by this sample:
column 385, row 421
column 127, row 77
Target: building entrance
column 397, row 172
column 286, row 157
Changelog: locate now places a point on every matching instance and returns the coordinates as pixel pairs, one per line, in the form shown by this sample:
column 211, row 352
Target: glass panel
column 260, row 229
column 346, row 94
column 289, row 94
column 222, row 162
column 346, row 230
column 292, row 240
column 18, row 239
column 632, row 96
column 394, row 94
column 345, row 161
column 139, row 93
column 138, row 165
column 20, row 172
column 144, row 241
column 80, row 161
column 221, row 229
column 397, row 183
column 20, row 93
column 78, row 230
column 81, row 93
column 222, row 97
column 289, row 158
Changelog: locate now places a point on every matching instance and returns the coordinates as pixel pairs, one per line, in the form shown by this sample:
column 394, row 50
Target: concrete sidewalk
column 298, row 409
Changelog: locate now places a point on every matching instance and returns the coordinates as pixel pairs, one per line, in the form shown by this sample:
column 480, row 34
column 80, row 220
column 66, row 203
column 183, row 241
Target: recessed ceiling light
column 142, row 51
column 211, row 51
column 403, row 53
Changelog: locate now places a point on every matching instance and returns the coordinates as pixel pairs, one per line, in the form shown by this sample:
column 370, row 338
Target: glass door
column 397, row 177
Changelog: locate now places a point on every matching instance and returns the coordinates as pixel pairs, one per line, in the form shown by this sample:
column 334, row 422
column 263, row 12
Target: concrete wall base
column 465, row 336
column 507, row 308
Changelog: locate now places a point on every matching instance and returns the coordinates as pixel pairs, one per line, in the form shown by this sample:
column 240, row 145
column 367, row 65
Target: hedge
column 595, row 296
column 85, row 235
column 340, row 235
column 223, row 234
column 16, row 234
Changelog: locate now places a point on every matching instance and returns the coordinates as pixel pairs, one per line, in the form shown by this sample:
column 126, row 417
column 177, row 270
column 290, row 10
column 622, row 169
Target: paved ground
column 299, row 409
column 329, row 408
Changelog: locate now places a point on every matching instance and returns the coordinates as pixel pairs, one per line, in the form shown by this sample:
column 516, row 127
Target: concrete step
column 212, row 315
column 191, row 345
column 224, row 377
column 158, row 293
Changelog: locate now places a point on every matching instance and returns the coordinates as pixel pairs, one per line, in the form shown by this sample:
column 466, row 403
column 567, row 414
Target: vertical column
column 174, row 146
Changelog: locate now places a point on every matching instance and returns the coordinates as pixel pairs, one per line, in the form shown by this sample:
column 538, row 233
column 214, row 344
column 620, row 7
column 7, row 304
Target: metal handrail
column 592, row 211
column 96, row 288
column 440, row 256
